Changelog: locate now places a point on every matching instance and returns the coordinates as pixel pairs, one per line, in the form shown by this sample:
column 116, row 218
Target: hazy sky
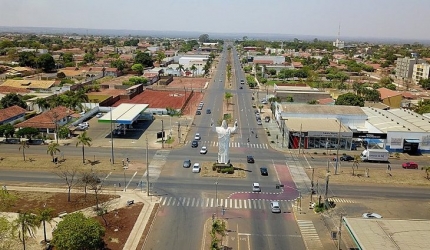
column 358, row 18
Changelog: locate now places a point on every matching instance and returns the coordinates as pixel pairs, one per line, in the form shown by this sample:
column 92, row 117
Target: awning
column 413, row 140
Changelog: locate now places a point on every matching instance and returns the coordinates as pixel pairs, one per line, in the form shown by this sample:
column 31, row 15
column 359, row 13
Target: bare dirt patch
column 31, row 201
column 120, row 222
column 376, row 176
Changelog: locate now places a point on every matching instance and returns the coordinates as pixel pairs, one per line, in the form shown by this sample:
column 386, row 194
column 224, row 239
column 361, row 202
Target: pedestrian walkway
column 226, row 203
column 309, row 235
column 156, row 164
column 340, row 200
column 232, row 144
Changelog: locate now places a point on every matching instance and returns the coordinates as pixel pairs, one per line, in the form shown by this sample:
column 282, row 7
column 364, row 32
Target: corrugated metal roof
column 385, row 121
column 321, row 109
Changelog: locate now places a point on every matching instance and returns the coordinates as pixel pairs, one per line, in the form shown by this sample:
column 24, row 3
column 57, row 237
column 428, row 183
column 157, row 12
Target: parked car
column 274, row 205
column 187, row 164
column 204, row 150
column 196, row 168
column 250, row 159
column 256, row 187
column 410, row 165
column 263, row 171
column 194, row 144
column 259, row 122
column 267, row 119
column 197, row 136
column 346, row 158
column 240, row 87
column 99, row 115
column 371, row 216
column 198, row 112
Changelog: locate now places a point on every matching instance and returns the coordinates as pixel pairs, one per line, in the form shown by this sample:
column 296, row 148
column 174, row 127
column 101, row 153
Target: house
column 48, row 122
column 30, row 84
column 11, row 115
column 390, row 97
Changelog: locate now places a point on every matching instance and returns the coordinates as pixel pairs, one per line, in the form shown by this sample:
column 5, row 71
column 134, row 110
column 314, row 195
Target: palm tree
column 23, row 146
column 45, row 215
column 53, row 149
column 193, row 68
column 85, row 141
column 26, row 223
column 180, row 68
column 227, row 97
column 42, row 104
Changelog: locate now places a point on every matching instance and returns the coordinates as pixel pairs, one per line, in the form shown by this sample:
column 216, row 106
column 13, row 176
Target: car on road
column 204, row 150
column 371, row 216
column 196, row 168
column 242, row 81
column 194, row 144
column 259, row 122
column 198, row 112
column 410, row 165
column 200, row 108
column 250, row 159
column 187, row 164
column 263, row 171
column 99, row 115
column 274, row 205
column 264, row 101
column 208, row 111
column 256, row 187
column 240, row 87
column 197, row 137
column 255, row 111
column 346, row 158
column 267, row 119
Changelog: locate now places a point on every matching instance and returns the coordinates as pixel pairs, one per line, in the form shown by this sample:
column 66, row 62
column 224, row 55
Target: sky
column 404, row 19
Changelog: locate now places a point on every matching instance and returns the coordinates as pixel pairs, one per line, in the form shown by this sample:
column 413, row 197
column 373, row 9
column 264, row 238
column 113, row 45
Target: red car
column 410, row 164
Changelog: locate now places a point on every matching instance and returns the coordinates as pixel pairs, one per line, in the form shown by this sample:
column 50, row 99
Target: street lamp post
column 147, row 168
column 111, row 137
column 216, row 198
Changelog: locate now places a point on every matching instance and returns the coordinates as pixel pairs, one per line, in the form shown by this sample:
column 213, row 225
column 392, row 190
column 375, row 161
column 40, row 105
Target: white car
column 204, row 150
column 99, row 115
column 371, row 216
column 274, row 205
column 256, row 187
column 197, row 136
column 196, row 168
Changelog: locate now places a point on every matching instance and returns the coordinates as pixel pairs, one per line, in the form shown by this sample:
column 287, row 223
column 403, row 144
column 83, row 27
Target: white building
column 339, row 44
column 420, row 71
column 198, row 62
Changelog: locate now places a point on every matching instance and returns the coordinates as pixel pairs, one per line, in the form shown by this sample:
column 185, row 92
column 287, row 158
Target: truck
column 375, row 155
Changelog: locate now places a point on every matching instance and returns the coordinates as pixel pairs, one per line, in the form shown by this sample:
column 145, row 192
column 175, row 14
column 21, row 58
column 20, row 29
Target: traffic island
column 214, row 234
column 210, row 169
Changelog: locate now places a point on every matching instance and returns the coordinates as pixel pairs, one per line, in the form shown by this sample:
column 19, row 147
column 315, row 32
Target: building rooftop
column 28, row 84
column 385, row 121
column 315, row 124
column 389, row 234
column 10, row 112
column 414, row 118
column 46, row 119
column 322, row 109
column 386, row 93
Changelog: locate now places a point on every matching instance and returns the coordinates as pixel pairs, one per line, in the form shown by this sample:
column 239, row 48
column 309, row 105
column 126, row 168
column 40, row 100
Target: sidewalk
column 137, row 196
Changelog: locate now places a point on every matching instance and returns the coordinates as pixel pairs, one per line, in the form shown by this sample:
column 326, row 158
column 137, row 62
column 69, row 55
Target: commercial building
column 421, row 71
column 405, row 67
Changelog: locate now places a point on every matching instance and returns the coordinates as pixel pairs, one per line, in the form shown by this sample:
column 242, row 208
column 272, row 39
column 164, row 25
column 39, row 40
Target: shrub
column 324, row 153
column 213, row 167
column 315, row 153
column 229, row 170
column 319, row 208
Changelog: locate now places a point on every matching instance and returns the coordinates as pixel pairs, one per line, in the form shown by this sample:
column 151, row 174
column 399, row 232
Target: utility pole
column 326, row 190
column 312, row 183
column 179, row 132
column 162, row 134
column 111, row 137
column 337, row 151
column 300, row 139
column 340, row 232
column 147, row 168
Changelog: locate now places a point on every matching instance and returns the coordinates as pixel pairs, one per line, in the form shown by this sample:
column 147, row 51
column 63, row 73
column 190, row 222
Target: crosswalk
column 309, row 235
column 226, row 203
column 340, row 200
column 232, row 144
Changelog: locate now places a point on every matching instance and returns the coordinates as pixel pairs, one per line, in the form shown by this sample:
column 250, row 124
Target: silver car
column 274, row 205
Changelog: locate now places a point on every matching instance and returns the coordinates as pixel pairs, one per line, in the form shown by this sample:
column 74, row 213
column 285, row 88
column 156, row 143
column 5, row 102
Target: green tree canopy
column 77, row 232
column 12, row 99
column 28, row 59
column 134, row 80
column 138, row 68
column 350, row 99
column 119, row 64
column 27, row 132
column 204, row 38
column 89, row 57
column 46, row 62
column 144, row 59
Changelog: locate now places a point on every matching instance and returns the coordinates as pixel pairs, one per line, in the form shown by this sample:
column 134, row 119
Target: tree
column 193, row 68
column 6, row 199
column 53, row 148
column 68, row 57
column 119, row 64
column 160, row 56
column 13, row 99
column 87, row 179
column 46, row 62
column 144, row 59
column 227, row 97
column 134, row 80
column 350, row 99
column 27, row 132
column 425, row 83
column 138, row 68
column 42, row 103
column 272, row 73
column 77, row 232
column 26, row 224
column 83, row 140
column 180, row 68
column 204, row 38
column 6, row 233
column 23, row 146
column 28, row 59
column 45, row 215
column 260, row 107
column 89, row 57
column 68, row 175
column 7, row 130
column 427, row 173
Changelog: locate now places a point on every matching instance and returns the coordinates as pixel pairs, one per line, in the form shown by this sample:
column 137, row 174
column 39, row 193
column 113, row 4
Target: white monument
column 224, row 133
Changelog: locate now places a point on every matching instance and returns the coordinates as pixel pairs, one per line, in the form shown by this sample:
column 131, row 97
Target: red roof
column 386, row 93
column 46, row 119
column 263, row 61
column 158, row 99
column 326, row 101
column 8, row 89
column 10, row 112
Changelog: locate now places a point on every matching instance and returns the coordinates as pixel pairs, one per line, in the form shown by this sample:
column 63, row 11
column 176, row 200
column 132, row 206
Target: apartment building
column 405, row 67
column 420, row 71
